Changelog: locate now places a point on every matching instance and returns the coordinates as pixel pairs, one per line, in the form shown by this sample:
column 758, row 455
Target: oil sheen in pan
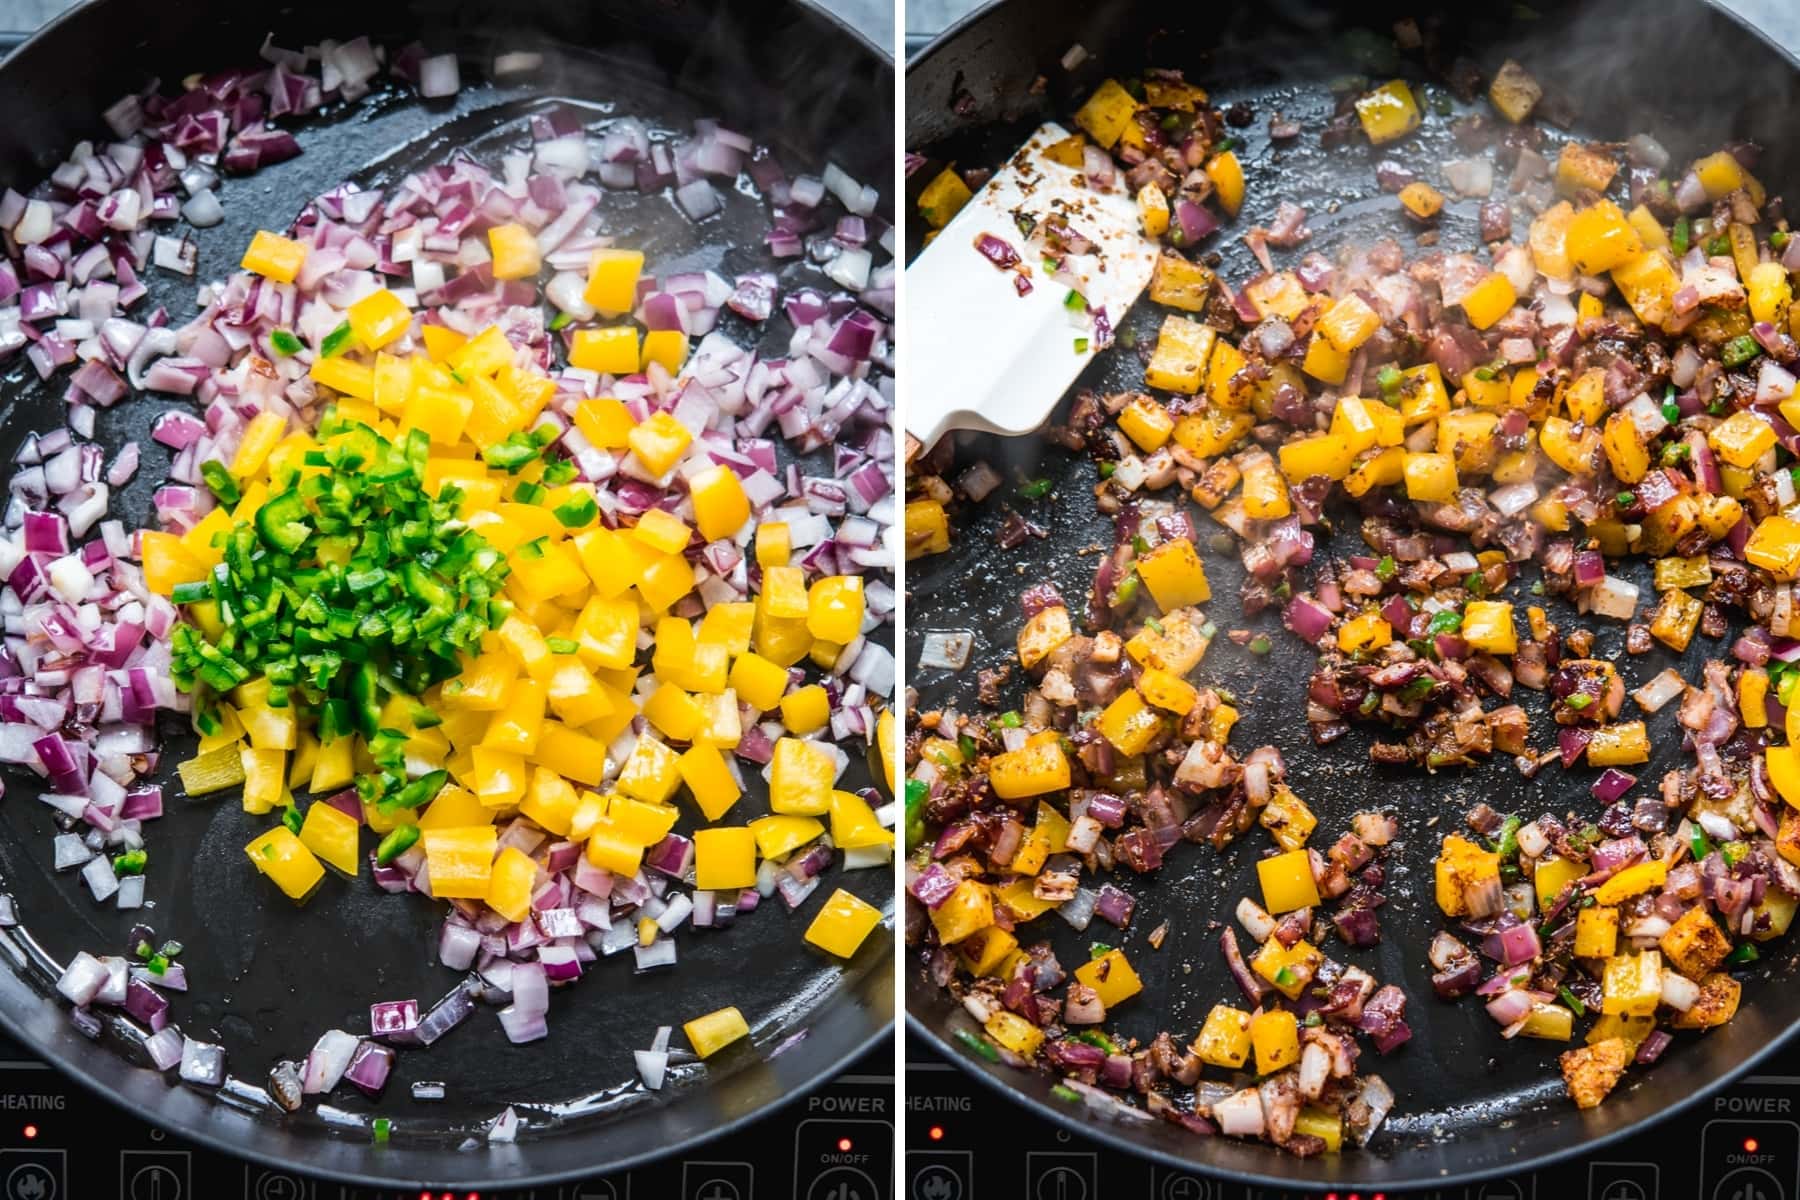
column 269, row 978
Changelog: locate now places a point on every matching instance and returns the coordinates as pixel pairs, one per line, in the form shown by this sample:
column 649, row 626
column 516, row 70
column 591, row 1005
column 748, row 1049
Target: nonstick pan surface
column 267, row 977
column 1469, row 1104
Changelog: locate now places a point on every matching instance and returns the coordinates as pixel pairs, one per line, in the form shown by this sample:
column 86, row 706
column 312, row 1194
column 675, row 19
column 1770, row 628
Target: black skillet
column 1470, row 1105
column 269, row 978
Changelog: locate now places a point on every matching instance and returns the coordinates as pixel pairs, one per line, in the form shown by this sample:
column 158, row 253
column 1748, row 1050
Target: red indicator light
column 936, row 1133
column 844, row 1145
column 1750, row 1145
column 31, row 1131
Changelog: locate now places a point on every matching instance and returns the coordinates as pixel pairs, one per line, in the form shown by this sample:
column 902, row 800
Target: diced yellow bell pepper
column 801, row 775
column 1275, row 1034
column 1227, row 175
column 510, row 884
column 1553, row 875
column 1325, row 362
column 274, row 257
column 854, row 825
column 611, row 850
column 286, row 860
column 784, row 641
column 1287, row 881
column 943, row 198
column 712, row 1033
column 710, row 781
column 454, row 806
column 1770, row 293
column 835, row 608
column 1107, row 112
column 1599, row 238
column 778, row 837
column 1430, row 477
column 1631, row 984
column 759, row 682
column 1146, row 423
column 669, row 347
column 612, row 284
column 1153, row 211
column 1112, row 976
column 331, row 834
column 515, row 724
column 265, row 775
column 1265, row 494
column 1388, row 112
column 806, row 710
column 1180, row 282
column 1178, row 362
column 260, row 437
column 1581, row 168
column 845, row 923
column 1029, row 771
column 1174, row 574
column 334, row 767
column 1774, row 545
column 651, row 772
column 166, row 563
column 1489, row 300
column 610, row 351
column 1618, row 745
column 1742, row 438
column 1720, row 174
column 1171, row 693
column 720, row 505
column 659, row 442
column 774, row 542
column 1632, row 881
column 1488, row 626
column 483, row 354
column 1596, row 932
column 1289, row 968
column 1323, row 1124
column 378, row 319
column 1014, row 1033
column 1421, row 200
column 1130, row 724
column 460, row 861
column 1366, row 631
column 966, row 911
column 1322, row 455
column 674, row 712
column 1224, row 1039
column 270, row 728
column 1462, row 867
column 213, row 771
column 724, row 858
column 1349, row 323
column 515, row 251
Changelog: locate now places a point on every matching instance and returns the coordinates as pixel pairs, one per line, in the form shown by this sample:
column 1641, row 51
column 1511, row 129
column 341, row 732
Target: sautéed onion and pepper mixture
column 480, row 563
column 1609, row 374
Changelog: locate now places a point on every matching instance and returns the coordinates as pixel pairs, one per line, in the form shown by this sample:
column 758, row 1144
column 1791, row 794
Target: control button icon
column 717, row 1180
column 1624, row 1181
column 266, row 1183
column 1505, row 1189
column 1056, row 1176
column 595, row 1189
column 33, row 1175
column 941, row 1175
column 1749, row 1183
column 1186, row 1187
column 843, row 1183
column 154, row 1174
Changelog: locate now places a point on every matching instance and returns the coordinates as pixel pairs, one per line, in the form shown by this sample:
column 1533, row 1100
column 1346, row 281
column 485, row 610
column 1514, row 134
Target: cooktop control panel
column 59, row 1142
column 965, row 1143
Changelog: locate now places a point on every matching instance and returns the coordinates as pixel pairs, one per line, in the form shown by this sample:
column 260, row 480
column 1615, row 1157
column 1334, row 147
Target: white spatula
column 978, row 355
